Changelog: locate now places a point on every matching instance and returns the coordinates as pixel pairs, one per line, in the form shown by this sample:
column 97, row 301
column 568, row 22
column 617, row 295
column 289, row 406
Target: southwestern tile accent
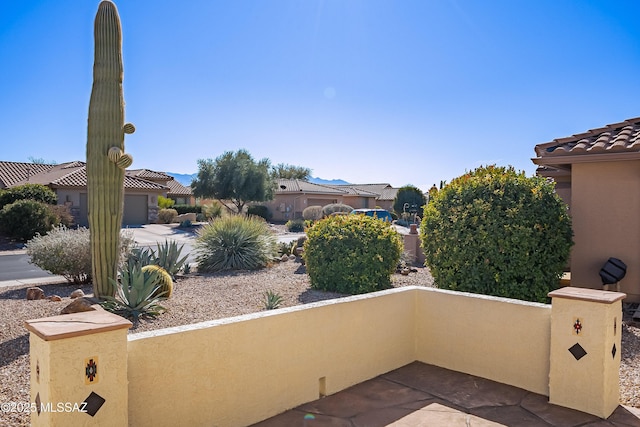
column 93, row 403
column 577, row 326
column 577, row 351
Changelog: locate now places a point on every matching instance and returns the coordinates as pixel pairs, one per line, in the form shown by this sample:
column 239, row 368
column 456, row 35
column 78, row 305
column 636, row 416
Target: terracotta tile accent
column 77, row 324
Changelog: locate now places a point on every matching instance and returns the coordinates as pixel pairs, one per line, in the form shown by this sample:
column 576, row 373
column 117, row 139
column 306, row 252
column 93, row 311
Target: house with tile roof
column 597, row 173
column 292, row 196
column 69, row 182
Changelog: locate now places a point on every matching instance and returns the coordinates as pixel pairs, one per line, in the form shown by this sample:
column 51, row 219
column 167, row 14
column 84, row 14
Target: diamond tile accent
column 93, row 403
column 38, row 403
column 577, row 351
column 614, row 351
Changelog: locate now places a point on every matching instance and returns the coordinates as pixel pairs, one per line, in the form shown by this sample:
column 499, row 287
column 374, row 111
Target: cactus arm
column 105, row 146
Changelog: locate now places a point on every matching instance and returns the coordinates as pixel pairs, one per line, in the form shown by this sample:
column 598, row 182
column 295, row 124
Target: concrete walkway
column 425, row 395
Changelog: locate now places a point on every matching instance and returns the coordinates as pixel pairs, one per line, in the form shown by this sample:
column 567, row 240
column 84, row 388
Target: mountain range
column 185, row 179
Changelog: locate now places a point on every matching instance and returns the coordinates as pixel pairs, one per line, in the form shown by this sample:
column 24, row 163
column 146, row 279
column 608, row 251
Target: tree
column 284, row 171
column 234, row 177
column 410, row 195
column 495, row 231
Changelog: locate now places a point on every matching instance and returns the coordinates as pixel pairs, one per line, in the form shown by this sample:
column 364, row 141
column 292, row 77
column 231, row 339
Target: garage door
column 135, row 209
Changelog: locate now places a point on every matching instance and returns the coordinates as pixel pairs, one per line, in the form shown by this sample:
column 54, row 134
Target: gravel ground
column 199, row 298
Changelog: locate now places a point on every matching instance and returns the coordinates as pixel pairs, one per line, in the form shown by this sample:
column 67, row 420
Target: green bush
column 67, row 252
column 496, row 232
column 26, row 218
column 167, row 216
column 351, row 254
column 183, row 209
column 312, row 213
column 295, row 225
column 212, row 211
column 335, row 208
column 259, row 210
column 38, row 192
column 235, row 242
column 165, row 202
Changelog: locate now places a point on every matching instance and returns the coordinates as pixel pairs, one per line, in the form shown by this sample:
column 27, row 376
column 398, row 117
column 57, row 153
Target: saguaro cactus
column 106, row 161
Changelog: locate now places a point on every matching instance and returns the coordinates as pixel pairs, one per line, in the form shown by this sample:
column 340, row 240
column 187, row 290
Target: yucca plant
column 135, row 294
column 235, row 242
column 272, row 300
column 168, row 257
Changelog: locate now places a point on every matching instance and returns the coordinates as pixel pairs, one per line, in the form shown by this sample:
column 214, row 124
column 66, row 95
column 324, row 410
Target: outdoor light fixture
column 612, row 271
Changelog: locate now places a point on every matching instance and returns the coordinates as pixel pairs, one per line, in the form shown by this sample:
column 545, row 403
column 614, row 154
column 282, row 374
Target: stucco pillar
column 79, row 369
column 586, row 327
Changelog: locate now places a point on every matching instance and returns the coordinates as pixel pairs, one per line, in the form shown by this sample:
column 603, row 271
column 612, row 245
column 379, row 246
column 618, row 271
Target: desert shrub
column 26, row 218
column 259, row 210
column 212, row 211
column 351, row 254
column 295, row 225
column 312, row 213
column 67, row 252
column 183, row 209
column 494, row 231
column 63, row 214
column 165, row 202
column 135, row 294
column 38, row 192
column 335, row 208
column 168, row 257
column 167, row 216
column 235, row 242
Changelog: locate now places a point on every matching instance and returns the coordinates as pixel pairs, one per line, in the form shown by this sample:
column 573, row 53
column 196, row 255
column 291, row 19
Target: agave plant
column 272, row 300
column 168, row 257
column 135, row 297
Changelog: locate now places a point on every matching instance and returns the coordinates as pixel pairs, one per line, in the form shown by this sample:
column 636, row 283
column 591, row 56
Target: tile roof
column 623, row 137
column 178, row 189
column 295, row 186
column 149, row 174
column 377, row 191
column 13, row 172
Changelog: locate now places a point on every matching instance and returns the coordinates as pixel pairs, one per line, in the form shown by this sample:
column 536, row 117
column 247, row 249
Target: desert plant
column 63, row 214
column 183, row 209
column 186, row 224
column 335, row 208
column 67, row 252
column 135, row 294
column 272, row 300
column 312, row 213
column 24, row 219
column 168, row 257
column 38, row 192
column 234, row 242
column 259, row 210
column 212, row 211
column 351, row 254
column 186, row 268
column 495, row 231
column 286, row 248
column 167, row 216
column 295, row 225
column 106, row 160
column 164, row 281
column 165, row 202
column 140, row 256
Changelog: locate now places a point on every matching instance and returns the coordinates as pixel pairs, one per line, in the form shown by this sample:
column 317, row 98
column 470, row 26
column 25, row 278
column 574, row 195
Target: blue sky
column 398, row 91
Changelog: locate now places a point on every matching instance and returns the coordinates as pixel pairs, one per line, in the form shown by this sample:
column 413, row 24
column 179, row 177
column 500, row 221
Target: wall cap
column 585, row 294
column 76, row 324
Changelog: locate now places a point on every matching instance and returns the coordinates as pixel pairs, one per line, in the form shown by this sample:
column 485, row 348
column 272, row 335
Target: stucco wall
column 496, row 338
column 605, row 203
column 235, row 372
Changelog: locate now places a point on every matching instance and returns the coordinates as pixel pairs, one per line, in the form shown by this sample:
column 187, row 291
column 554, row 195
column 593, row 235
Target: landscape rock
column 284, row 258
column 76, row 294
column 78, row 306
column 55, row 298
column 35, row 293
column 292, row 257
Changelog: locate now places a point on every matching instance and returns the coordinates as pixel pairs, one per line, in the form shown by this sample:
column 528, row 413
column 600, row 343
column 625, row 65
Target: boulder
column 35, row 293
column 79, row 305
column 284, row 258
column 186, row 217
column 76, row 294
column 54, row 298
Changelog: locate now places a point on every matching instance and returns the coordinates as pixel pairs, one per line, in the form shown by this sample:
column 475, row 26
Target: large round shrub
column 38, row 192
column 26, row 218
column 235, row 242
column 495, row 231
column 335, row 208
column 351, row 254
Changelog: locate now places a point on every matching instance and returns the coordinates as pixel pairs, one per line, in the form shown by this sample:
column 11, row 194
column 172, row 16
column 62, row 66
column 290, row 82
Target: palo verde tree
column 234, row 177
column 284, row 171
column 410, row 195
column 494, row 231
